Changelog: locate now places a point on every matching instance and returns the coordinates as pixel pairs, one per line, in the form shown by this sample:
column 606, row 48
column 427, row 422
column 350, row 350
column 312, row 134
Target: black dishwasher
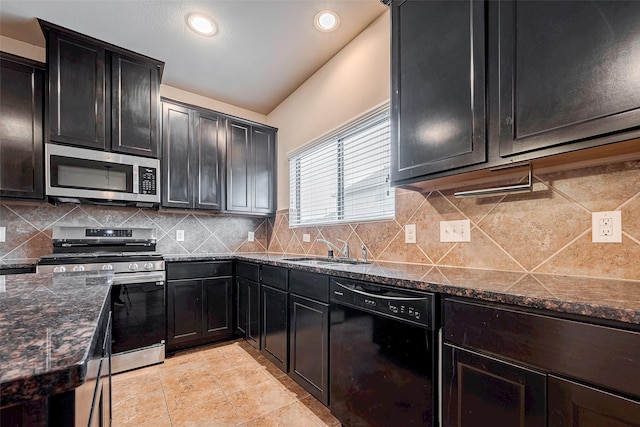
column 382, row 355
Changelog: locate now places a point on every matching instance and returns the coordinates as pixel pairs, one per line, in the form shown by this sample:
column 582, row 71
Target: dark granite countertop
column 609, row 299
column 47, row 326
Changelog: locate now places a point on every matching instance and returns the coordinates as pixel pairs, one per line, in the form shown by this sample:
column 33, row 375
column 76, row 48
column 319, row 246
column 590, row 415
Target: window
column 344, row 177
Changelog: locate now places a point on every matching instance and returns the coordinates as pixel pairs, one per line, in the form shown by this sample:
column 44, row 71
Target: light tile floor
column 229, row 384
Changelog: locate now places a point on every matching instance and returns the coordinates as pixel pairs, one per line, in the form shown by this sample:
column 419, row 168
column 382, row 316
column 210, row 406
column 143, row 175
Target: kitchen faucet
column 344, row 252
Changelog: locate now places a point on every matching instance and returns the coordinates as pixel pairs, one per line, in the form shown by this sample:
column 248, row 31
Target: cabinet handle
column 506, row 189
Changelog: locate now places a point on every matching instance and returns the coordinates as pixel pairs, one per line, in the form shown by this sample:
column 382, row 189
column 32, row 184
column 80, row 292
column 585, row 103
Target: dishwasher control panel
column 413, row 307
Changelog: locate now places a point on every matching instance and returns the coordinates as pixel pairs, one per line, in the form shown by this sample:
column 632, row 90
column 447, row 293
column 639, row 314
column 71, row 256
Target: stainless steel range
column 137, row 294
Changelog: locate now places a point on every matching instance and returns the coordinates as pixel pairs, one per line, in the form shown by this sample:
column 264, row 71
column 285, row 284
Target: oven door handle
column 130, row 278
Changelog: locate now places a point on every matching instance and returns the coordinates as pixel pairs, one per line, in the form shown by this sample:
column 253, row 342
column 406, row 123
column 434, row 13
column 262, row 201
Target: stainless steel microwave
column 76, row 175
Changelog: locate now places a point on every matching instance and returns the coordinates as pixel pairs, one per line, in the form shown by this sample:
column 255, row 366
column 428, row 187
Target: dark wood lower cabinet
column 274, row 324
column 482, row 391
column 309, row 346
column 248, row 305
column 576, row 405
column 199, row 303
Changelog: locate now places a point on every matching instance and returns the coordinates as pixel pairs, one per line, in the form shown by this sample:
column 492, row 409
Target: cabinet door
column 176, row 140
column 135, row 106
column 21, row 137
column 184, row 311
column 263, row 146
column 76, row 92
column 253, row 313
column 238, row 167
column 242, row 297
column 576, row 405
column 217, row 319
column 274, row 326
column 568, row 71
column 208, row 161
column 481, row 391
column 309, row 346
column 438, row 79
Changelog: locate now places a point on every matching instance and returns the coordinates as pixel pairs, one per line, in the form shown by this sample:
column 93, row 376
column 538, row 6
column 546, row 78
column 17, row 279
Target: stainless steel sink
column 326, row 261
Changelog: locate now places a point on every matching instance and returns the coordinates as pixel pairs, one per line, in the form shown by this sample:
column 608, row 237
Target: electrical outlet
column 179, row 235
column 306, row 237
column 455, row 231
column 606, row 227
column 3, row 234
column 251, row 237
column 410, row 233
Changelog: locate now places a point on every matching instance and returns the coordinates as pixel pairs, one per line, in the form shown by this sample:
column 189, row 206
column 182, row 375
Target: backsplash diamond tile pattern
column 547, row 231
column 29, row 229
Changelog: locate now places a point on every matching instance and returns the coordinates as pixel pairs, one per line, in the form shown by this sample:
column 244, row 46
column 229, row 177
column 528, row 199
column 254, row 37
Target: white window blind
column 344, row 177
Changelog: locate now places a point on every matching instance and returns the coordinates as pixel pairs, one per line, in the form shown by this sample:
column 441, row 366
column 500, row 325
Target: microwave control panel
column 147, row 180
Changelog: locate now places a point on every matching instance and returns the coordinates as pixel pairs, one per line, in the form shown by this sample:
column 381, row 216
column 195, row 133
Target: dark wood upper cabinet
column 101, row 96
column 21, row 128
column 209, row 150
column 438, row 87
column 176, row 144
column 135, row 106
column 251, row 168
column 567, row 73
column 77, row 86
column 193, row 157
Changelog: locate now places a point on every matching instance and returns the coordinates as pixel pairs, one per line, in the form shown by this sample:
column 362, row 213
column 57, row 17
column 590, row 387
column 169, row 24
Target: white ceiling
column 262, row 52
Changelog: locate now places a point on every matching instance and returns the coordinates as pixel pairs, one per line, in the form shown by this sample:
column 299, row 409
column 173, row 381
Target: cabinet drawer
column 310, row 285
column 194, row 270
column 248, row 270
column 600, row 355
column 275, row 276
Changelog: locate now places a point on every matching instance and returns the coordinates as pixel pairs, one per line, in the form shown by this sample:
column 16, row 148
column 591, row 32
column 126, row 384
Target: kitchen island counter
column 48, row 326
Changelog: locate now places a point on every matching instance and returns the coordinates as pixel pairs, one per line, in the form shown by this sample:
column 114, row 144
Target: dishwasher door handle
column 353, row 290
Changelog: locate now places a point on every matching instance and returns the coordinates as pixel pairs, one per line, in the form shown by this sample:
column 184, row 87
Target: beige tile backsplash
column 546, row 231
column 29, row 229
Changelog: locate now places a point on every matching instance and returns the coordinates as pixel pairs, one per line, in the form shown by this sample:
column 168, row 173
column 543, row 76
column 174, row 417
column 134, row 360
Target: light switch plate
column 410, row 233
column 455, row 231
column 251, row 237
column 606, row 227
column 3, row 234
column 179, row 235
column 306, row 237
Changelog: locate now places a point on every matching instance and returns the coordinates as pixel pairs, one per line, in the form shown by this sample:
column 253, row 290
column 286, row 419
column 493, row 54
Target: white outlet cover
column 606, row 227
column 306, row 237
column 455, row 231
column 3, row 234
column 179, row 235
column 251, row 237
column 410, row 233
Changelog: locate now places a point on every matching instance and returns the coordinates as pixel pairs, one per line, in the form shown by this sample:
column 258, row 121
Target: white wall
column 355, row 80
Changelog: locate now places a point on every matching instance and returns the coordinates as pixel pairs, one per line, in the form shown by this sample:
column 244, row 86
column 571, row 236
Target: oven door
column 137, row 304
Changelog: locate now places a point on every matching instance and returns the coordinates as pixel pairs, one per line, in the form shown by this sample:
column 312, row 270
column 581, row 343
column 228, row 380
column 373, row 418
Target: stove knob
column 107, row 267
column 133, row 266
column 148, row 266
column 78, row 268
column 59, row 269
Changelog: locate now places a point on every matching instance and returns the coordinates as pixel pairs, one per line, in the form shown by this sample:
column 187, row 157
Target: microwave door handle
column 136, row 180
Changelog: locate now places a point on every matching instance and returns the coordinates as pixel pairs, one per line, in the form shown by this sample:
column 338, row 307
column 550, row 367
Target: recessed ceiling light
column 201, row 24
column 326, row 20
